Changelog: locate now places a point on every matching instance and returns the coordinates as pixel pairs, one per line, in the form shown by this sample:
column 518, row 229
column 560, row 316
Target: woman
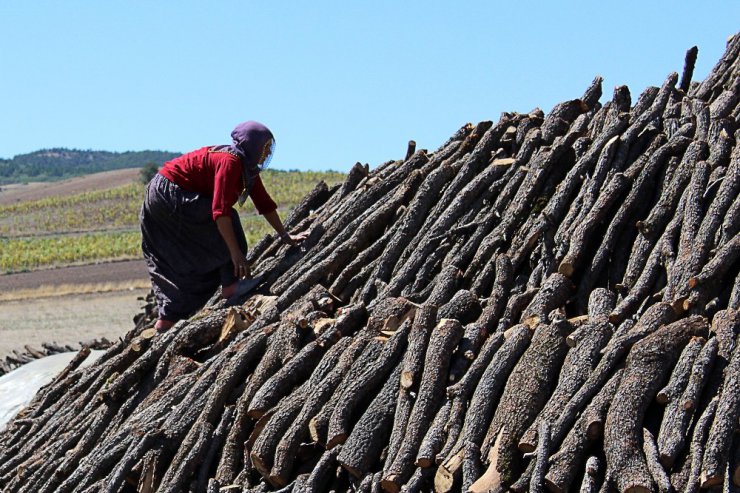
column 191, row 235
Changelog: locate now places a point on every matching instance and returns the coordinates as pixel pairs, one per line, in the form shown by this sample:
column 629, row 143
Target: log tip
column 552, row 486
column 425, row 462
column 390, row 484
column 527, row 447
column 566, row 269
column 337, row 439
column 637, row 488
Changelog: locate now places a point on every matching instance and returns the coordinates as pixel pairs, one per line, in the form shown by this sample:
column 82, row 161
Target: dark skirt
column 186, row 255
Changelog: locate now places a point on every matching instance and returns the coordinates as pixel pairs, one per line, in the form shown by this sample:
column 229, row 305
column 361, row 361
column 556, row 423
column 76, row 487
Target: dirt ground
column 38, row 190
column 129, row 270
column 67, row 319
column 44, row 316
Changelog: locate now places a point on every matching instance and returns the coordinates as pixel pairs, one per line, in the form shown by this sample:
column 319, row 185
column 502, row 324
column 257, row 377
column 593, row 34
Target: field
column 70, row 267
column 101, row 224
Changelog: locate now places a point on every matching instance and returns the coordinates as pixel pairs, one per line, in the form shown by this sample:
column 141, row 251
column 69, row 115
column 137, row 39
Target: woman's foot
column 240, row 288
column 228, row 291
column 162, row 325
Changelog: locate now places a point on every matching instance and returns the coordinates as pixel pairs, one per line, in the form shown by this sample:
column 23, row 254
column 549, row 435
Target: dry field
column 10, row 194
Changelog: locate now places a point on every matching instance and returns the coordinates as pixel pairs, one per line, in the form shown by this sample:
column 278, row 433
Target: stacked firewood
column 18, row 358
column 549, row 301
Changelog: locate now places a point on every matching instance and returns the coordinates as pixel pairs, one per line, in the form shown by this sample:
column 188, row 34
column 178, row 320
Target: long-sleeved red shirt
column 216, row 173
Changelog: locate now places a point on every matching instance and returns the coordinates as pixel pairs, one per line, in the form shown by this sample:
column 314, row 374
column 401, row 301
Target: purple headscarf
column 250, row 143
column 254, row 144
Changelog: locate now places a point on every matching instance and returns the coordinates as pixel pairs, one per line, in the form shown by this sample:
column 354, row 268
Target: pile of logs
column 29, row 353
column 549, row 301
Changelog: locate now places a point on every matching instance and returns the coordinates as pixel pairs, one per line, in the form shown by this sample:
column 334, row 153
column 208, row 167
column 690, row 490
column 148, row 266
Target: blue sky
column 337, row 82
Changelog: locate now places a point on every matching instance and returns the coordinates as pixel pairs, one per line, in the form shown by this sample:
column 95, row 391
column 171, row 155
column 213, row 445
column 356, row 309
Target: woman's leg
column 229, row 282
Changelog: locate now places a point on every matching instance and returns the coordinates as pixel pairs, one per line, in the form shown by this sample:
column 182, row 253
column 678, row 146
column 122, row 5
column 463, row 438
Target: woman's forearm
column 274, row 219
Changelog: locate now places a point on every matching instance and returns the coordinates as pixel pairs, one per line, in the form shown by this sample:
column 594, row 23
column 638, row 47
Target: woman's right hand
column 241, row 267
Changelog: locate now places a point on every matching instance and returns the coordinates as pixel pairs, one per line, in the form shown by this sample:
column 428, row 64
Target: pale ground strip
column 67, row 319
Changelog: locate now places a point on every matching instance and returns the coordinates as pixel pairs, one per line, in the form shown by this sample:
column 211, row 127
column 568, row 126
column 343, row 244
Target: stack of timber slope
column 550, row 301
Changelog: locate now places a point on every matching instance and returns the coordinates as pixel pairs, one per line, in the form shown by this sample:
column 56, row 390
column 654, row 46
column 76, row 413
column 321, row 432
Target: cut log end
column 566, row 269
column 336, row 440
column 711, row 481
column 637, row 489
column 355, row 472
column 527, row 447
column 407, row 379
column 553, row 487
column 425, row 462
column 390, row 484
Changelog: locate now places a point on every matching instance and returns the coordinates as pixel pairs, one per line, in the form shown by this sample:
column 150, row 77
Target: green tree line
column 61, row 163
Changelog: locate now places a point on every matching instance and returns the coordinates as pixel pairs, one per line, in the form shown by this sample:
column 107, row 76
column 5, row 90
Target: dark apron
column 186, row 255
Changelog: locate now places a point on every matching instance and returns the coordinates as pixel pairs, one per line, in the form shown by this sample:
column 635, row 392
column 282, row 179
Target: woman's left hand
column 294, row 240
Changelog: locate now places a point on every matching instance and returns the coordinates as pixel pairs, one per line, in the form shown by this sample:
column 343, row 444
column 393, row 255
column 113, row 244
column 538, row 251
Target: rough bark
column 364, row 445
column 647, row 365
column 678, row 415
column 525, row 394
column 431, row 393
column 725, row 422
column 564, row 463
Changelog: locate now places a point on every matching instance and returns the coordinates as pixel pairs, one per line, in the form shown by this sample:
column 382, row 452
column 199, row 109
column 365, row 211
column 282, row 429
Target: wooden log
column 366, row 441
column 451, row 205
column 525, row 394
column 653, row 318
column 583, row 232
column 369, row 229
column 283, row 343
column 214, row 448
column 631, row 206
column 320, row 476
column 659, row 474
column 590, row 482
column 579, row 362
column 600, row 304
column 698, row 445
column 410, row 223
column 365, row 383
column 725, row 421
column 678, row 415
column 537, row 483
column 342, row 287
column 263, row 452
column 463, row 307
column 280, row 384
column 514, row 308
column 651, row 271
column 319, row 392
column 588, row 428
column 714, row 216
column 431, row 393
column 453, row 429
column 692, row 217
column 434, row 437
column 553, row 294
column 647, row 364
column 541, row 166
column 318, row 425
column 723, row 261
column 688, row 68
column 681, row 372
column 404, row 405
column 413, row 360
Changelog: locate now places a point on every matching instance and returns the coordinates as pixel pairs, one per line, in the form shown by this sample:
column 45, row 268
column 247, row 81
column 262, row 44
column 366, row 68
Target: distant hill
column 60, row 163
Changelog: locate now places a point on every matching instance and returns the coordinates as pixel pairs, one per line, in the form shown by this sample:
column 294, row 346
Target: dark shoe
column 244, row 287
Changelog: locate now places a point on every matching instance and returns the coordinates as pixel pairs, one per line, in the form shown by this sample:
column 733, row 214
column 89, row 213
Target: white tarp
column 18, row 387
